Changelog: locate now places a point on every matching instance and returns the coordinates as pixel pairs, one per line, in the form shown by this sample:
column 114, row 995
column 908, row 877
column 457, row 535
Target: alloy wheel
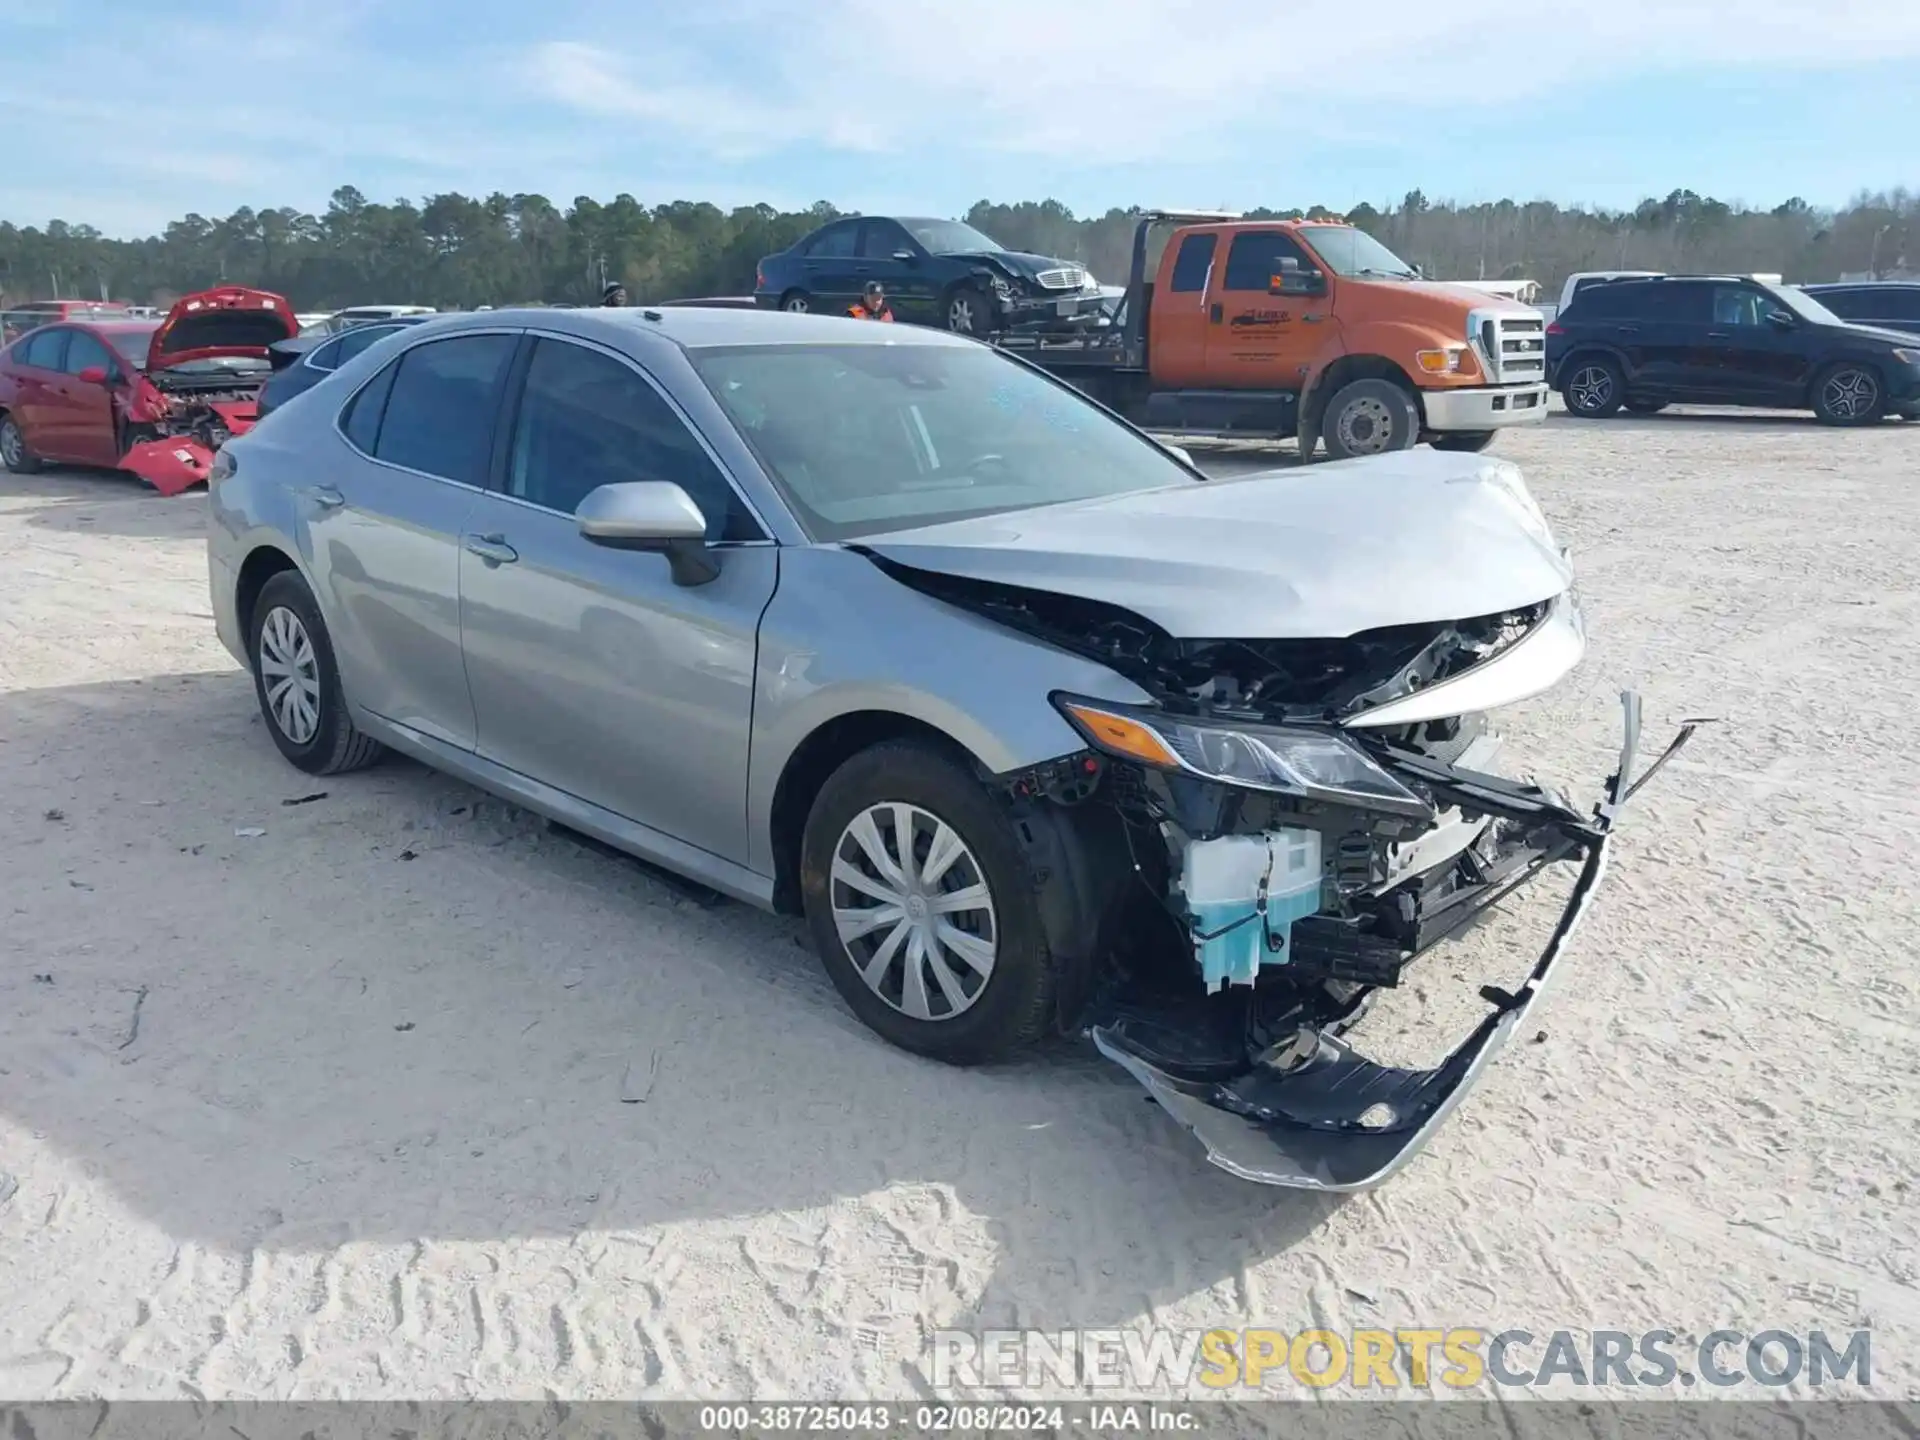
column 912, row 907
column 12, row 448
column 290, row 674
column 1364, row 427
column 1851, row 394
column 1591, row 388
column 960, row 315
column 797, row 305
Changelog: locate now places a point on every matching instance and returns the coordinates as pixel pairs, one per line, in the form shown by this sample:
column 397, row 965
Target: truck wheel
column 797, row 302
column 13, row 448
column 1369, row 417
column 1848, row 393
column 968, row 311
column 1594, row 388
column 1472, row 441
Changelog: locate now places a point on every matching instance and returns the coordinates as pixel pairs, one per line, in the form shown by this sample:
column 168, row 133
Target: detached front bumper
column 1310, row 1124
column 1492, row 407
column 1047, row 310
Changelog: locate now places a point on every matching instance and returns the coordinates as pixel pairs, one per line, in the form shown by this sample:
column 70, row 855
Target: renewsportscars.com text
column 1455, row 1358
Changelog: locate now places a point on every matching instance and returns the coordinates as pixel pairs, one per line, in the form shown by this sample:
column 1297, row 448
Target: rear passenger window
column 356, row 340
column 1191, row 265
column 1254, row 259
column 588, row 420
column 327, row 357
column 360, row 422
column 1847, row 304
column 45, row 349
column 440, row 411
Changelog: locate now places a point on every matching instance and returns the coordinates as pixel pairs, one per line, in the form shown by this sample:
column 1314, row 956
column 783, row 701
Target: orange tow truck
column 1307, row 328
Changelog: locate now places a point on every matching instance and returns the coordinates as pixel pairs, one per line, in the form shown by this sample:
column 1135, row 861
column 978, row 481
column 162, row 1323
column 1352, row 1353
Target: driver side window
column 1736, row 305
column 587, row 420
column 85, row 352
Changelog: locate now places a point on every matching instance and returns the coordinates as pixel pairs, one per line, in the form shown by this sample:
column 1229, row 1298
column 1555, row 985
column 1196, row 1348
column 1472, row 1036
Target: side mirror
column 1292, row 280
column 655, row 516
column 905, row 257
column 93, row 375
column 1781, row 319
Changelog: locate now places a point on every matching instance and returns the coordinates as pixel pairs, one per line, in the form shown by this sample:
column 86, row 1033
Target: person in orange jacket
column 872, row 305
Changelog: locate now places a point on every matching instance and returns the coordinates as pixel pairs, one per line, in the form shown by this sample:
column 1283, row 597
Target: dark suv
column 1883, row 304
column 1726, row 340
column 936, row 272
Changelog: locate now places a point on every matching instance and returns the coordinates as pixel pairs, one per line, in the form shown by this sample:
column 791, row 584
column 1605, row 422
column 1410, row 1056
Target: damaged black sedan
column 1042, row 730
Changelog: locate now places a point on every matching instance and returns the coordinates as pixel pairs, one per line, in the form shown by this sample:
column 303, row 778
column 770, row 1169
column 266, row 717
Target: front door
column 1257, row 340
column 85, row 426
column 1753, row 360
column 911, row 289
column 384, row 528
column 592, row 671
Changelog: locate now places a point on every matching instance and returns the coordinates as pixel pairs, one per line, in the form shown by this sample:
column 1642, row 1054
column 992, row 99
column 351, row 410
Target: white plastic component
column 1222, row 881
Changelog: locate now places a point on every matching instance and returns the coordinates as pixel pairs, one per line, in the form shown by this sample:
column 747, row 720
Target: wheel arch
column 1342, row 372
column 1820, row 371
column 1591, row 350
column 262, row 563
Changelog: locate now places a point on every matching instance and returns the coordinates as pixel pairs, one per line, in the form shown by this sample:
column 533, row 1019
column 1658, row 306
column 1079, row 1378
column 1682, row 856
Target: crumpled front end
column 1259, row 1071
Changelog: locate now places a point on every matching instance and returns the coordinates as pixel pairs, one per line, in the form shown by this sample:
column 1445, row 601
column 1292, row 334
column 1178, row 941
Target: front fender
column 840, row 637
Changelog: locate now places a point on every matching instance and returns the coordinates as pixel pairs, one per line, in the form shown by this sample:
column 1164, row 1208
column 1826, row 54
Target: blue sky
column 125, row 115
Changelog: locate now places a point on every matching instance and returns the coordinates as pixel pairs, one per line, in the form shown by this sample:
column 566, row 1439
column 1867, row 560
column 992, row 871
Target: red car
column 156, row 398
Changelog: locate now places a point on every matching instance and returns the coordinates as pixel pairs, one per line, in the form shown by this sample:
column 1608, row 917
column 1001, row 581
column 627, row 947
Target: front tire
column 1369, row 417
column 14, row 453
column 1594, row 388
column 1848, row 393
column 923, row 907
column 297, row 682
column 968, row 310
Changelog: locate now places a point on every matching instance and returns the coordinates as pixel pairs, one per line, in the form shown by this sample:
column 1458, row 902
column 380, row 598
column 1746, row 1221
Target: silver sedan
column 1040, row 729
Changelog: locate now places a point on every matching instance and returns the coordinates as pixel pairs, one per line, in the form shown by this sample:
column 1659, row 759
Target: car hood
column 1321, row 552
column 1018, row 262
column 230, row 321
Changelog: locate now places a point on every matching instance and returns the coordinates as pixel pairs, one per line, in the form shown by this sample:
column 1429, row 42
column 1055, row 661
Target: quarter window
column 587, row 420
column 439, row 413
column 1254, row 259
column 1191, row 265
column 358, row 339
column 327, row 357
column 360, row 422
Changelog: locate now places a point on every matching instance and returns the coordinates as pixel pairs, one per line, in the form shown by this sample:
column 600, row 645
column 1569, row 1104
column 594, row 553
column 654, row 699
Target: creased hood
column 1325, row 551
column 1018, row 262
column 231, row 321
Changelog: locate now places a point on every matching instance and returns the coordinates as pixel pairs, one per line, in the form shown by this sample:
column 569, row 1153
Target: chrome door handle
column 325, row 496
column 492, row 548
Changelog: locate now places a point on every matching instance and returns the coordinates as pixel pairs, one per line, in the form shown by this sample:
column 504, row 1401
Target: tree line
column 457, row 252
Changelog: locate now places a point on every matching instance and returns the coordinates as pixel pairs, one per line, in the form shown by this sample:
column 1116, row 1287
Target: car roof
column 701, row 327
column 1864, row 285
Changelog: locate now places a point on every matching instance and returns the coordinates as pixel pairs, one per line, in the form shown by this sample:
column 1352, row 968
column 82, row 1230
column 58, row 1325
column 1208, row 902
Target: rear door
column 1178, row 325
column 1661, row 327
column 1257, row 340
column 385, row 528
column 832, row 266
column 38, row 402
column 592, row 671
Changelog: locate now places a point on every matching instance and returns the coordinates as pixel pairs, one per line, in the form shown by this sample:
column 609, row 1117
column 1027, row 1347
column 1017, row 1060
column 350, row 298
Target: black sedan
column 302, row 363
column 1883, row 304
column 936, row 272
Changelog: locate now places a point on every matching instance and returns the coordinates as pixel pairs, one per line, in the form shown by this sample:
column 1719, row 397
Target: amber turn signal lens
column 1121, row 736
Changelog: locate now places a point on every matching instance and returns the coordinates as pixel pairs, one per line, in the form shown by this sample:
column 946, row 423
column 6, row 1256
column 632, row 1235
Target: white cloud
column 1116, row 81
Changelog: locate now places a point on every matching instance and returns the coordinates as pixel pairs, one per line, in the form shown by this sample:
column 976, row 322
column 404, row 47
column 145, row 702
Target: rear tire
column 14, row 453
column 796, row 302
column 1848, row 392
column 1369, row 417
column 297, row 682
column 1471, row 441
column 1594, row 388
column 1010, row 1005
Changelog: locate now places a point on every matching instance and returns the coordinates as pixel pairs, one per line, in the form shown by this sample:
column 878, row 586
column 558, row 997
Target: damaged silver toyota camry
column 1042, row 730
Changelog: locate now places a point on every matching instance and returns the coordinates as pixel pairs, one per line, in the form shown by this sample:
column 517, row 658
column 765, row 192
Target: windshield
column 1803, row 304
column 131, row 345
column 949, row 237
column 863, row 439
column 1350, row 251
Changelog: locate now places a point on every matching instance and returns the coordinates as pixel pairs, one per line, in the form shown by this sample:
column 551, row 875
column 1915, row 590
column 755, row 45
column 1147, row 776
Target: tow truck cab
column 1302, row 327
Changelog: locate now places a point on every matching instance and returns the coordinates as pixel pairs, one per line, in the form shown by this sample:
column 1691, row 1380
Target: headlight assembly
column 1308, row 764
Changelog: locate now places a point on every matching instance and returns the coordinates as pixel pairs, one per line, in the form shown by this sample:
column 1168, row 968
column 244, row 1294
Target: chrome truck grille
column 1514, row 348
column 1067, row 277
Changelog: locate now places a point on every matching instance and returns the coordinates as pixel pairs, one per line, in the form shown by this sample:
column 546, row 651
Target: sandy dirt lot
column 408, row 1097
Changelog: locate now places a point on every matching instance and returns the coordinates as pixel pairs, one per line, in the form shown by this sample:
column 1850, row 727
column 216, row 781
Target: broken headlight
column 1310, row 764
